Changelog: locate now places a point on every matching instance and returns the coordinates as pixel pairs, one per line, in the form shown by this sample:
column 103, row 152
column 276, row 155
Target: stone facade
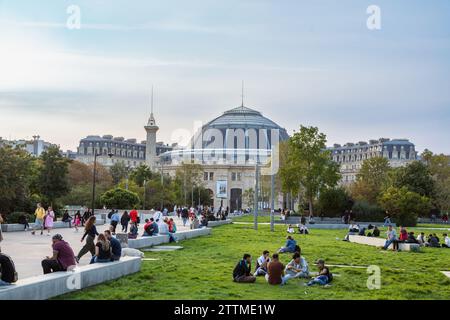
column 129, row 151
column 350, row 156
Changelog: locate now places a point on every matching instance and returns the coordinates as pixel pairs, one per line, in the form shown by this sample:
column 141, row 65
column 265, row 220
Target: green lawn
column 202, row 270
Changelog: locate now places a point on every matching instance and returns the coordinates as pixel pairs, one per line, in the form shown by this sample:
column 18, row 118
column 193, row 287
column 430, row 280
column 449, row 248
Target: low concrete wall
column 13, row 227
column 379, row 242
column 143, row 242
column 58, row 283
column 217, row 223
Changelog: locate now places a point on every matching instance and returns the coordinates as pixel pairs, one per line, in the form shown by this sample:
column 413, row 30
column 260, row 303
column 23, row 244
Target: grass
column 202, row 270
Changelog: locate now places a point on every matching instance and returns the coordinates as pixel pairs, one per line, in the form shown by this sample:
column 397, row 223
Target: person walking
column 124, row 220
column 77, row 220
column 90, row 232
column 39, row 222
column 115, row 219
column 49, row 219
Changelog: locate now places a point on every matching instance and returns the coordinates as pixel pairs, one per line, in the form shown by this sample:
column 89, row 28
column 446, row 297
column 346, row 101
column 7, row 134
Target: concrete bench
column 143, row 242
column 379, row 242
column 216, row 223
column 12, row 227
column 58, row 283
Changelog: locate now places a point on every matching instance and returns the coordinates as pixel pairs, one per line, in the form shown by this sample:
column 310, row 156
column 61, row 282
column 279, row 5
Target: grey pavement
column 27, row 250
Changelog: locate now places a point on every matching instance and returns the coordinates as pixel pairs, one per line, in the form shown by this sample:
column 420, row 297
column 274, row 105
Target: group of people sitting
column 276, row 273
column 154, row 228
column 107, row 249
column 302, row 229
column 408, row 237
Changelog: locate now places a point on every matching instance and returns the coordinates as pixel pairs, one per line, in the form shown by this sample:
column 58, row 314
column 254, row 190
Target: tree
column 140, row 174
column 248, row 196
column 404, row 205
column 439, row 166
column 188, row 176
column 308, row 165
column 119, row 198
column 118, row 172
column 16, row 178
column 52, row 179
column 417, row 177
column 334, row 201
column 372, row 179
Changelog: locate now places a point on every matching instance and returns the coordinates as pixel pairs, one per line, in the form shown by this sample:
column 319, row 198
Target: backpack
column 7, row 269
column 110, row 214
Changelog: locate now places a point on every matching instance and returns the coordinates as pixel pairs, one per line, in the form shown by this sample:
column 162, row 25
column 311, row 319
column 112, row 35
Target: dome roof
column 244, row 118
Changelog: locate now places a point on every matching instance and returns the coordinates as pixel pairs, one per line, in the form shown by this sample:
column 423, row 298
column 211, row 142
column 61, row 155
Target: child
column 324, row 277
column 77, row 221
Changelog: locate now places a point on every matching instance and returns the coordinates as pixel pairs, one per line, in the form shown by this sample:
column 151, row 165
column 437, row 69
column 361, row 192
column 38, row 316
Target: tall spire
column 151, row 120
column 151, row 103
column 242, row 95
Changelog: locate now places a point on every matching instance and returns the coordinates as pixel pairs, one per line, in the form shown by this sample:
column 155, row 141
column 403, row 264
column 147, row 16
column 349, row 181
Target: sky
column 312, row 63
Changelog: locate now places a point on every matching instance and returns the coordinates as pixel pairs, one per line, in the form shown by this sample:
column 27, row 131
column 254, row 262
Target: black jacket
column 241, row 269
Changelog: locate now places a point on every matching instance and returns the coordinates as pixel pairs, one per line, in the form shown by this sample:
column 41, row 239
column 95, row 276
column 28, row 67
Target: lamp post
column 143, row 202
column 94, row 175
column 162, row 186
column 255, row 200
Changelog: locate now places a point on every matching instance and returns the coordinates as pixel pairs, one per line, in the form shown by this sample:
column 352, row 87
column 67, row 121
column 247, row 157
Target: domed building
column 228, row 149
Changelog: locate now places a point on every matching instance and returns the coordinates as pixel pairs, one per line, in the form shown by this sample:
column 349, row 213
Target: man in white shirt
column 297, row 268
column 261, row 264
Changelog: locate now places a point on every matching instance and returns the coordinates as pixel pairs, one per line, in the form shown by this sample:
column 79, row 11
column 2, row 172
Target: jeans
column 125, row 227
column 260, row 272
column 321, row 280
column 388, row 243
column 95, row 259
column 185, row 220
column 50, row 265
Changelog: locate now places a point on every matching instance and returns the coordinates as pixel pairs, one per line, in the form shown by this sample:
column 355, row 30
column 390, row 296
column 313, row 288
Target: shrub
column 366, row 212
column 13, row 217
column 404, row 205
column 333, row 202
column 119, row 198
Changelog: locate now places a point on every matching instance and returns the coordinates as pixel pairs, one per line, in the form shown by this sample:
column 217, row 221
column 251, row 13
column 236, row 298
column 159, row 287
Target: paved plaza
column 27, row 251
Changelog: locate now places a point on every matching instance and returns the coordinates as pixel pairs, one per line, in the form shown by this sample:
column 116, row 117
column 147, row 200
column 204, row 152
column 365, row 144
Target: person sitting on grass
column 421, row 239
column 261, row 264
column 290, row 229
column 241, row 272
column 289, row 246
column 324, row 277
column 391, row 238
column 116, row 247
column 102, row 250
column 303, row 229
column 374, row 233
column 446, row 243
column 133, row 234
column 433, row 241
column 63, row 256
column 297, row 268
column 411, row 238
column 275, row 271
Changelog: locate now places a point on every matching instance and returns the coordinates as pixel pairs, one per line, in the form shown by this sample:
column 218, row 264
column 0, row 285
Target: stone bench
column 379, row 242
column 216, row 223
column 12, row 227
column 58, row 283
column 143, row 242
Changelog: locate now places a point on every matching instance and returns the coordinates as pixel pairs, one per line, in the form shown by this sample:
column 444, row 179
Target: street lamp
column 94, row 174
